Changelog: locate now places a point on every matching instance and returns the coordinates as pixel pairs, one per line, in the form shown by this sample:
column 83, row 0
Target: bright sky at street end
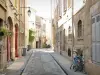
column 43, row 7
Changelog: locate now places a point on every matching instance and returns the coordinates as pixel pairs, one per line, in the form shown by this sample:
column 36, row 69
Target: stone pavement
column 42, row 63
column 18, row 65
column 65, row 63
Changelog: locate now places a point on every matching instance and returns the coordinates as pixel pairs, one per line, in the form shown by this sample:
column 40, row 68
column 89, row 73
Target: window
column 64, row 40
column 60, row 8
column 93, row 20
column 69, row 32
column 65, row 5
column 69, row 29
column 79, row 28
column 97, row 18
column 96, row 39
column 69, row 3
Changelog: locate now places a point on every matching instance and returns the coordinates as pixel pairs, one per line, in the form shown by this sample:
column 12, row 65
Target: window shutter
column 96, row 39
column 97, row 52
column 93, row 31
column 93, row 52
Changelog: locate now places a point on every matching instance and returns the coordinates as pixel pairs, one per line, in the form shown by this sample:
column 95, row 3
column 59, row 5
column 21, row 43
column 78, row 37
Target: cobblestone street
column 42, row 63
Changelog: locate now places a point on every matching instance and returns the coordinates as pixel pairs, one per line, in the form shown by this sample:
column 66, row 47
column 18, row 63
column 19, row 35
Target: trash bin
column 24, row 52
column 28, row 47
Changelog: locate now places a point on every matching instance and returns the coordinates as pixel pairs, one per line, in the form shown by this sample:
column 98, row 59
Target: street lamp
column 29, row 12
column 32, row 22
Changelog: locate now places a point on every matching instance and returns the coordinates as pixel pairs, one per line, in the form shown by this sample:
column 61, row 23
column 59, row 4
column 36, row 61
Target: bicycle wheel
column 75, row 68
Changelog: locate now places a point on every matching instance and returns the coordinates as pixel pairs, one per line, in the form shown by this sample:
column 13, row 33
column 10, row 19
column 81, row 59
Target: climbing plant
column 31, row 35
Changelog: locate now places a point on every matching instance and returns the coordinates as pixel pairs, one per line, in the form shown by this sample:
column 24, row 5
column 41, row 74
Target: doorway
column 16, row 40
column 9, row 39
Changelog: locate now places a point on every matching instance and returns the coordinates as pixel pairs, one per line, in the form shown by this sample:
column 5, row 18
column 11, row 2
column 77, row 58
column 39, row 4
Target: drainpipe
column 72, row 27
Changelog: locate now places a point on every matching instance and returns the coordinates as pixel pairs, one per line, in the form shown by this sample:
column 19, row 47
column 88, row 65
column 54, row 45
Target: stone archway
column 16, row 40
column 9, row 39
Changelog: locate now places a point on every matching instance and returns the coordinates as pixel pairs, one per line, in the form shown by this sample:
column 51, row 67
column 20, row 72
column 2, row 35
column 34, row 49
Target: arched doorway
column 69, row 52
column 80, row 52
column 9, row 39
column 16, row 40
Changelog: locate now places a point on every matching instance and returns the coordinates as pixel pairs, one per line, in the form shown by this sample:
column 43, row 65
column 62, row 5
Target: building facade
column 43, row 32
column 80, row 32
column 38, row 31
column 31, row 26
column 92, row 45
column 86, row 22
column 13, row 19
column 22, row 5
column 63, row 26
column 3, row 41
column 17, row 26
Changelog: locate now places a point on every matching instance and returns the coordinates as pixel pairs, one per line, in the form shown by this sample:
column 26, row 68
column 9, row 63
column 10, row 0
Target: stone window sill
column 80, row 39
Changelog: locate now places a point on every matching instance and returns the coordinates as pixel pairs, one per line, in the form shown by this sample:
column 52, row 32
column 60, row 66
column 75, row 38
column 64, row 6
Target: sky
column 77, row 5
column 43, row 7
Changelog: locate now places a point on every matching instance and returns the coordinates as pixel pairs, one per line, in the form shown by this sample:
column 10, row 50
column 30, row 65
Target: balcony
column 3, row 3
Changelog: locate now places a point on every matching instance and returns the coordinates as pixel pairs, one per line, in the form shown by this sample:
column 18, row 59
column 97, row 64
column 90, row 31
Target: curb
column 59, row 65
column 22, row 69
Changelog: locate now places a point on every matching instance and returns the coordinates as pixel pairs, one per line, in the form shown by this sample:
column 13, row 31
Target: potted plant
column 3, row 32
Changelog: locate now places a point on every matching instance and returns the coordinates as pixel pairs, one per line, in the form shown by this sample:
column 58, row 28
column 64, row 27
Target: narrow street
column 42, row 63
column 50, row 37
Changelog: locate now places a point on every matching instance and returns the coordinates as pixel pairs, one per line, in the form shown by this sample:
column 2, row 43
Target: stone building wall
column 92, row 8
column 3, row 46
column 79, row 41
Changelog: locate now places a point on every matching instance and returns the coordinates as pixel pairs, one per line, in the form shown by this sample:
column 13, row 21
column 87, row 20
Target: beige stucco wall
column 10, row 14
column 3, row 46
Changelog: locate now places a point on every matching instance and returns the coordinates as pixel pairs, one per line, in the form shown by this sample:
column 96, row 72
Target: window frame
column 80, row 30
